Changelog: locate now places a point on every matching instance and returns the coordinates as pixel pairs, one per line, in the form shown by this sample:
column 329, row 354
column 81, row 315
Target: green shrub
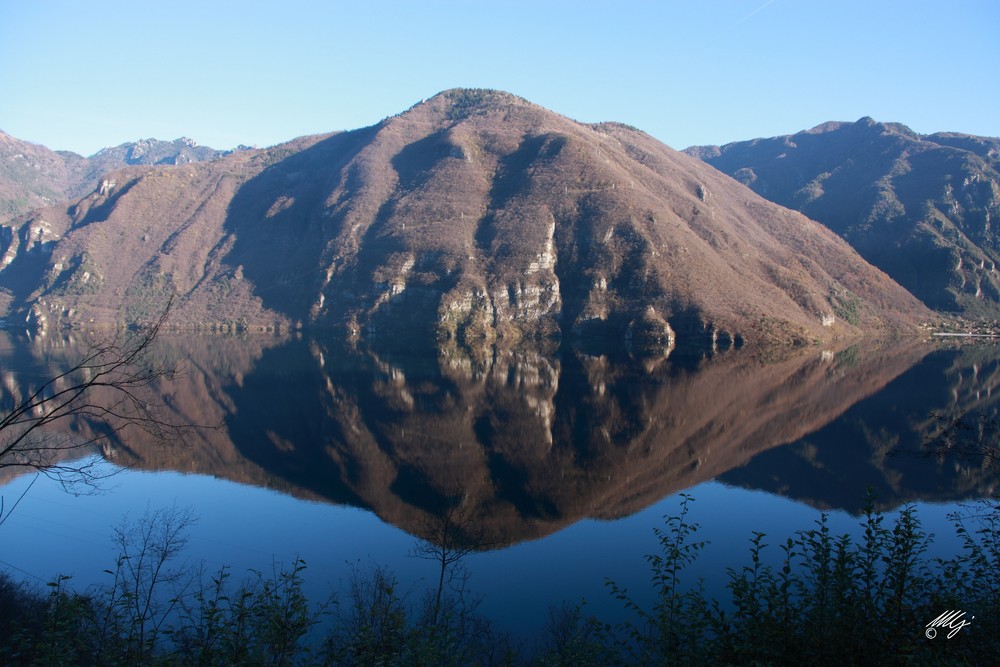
column 830, row 599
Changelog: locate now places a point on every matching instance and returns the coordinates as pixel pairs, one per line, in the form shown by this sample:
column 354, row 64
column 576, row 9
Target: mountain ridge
column 920, row 207
column 34, row 176
column 473, row 217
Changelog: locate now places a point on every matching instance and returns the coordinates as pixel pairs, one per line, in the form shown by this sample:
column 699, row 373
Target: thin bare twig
column 110, row 389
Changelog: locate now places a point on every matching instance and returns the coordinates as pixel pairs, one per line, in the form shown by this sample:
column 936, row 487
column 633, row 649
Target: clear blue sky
column 81, row 75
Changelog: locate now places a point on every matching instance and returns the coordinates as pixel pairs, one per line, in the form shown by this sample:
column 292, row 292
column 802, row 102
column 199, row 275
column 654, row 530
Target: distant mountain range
column 32, row 176
column 475, row 217
column 923, row 208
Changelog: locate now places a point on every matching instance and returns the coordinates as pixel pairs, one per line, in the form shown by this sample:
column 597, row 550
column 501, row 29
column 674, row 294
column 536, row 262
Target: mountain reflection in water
column 523, row 444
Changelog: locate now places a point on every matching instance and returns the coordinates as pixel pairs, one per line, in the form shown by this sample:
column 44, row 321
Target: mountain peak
column 458, row 104
column 479, row 98
column 917, row 206
column 473, row 218
column 36, row 176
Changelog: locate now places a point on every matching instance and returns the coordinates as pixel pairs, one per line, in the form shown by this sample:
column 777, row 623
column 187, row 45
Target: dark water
column 558, row 465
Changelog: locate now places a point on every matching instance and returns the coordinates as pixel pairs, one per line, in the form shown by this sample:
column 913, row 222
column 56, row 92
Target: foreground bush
column 156, row 610
column 832, row 599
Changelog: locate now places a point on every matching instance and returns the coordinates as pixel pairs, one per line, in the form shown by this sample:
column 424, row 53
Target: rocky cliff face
column 151, row 151
column 920, row 207
column 474, row 217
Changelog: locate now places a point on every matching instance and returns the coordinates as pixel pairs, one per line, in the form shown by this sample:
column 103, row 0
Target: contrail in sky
column 752, row 13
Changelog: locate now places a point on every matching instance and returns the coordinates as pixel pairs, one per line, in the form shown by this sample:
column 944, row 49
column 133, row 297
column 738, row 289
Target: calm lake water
column 561, row 464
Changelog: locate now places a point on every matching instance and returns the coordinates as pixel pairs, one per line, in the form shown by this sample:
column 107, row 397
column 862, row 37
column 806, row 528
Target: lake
column 558, row 466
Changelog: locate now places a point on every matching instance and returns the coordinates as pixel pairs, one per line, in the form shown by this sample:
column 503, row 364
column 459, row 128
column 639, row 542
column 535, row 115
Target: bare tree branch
column 109, row 390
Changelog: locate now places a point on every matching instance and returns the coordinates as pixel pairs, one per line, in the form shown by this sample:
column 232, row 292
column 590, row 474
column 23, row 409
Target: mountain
column 474, row 217
column 152, row 151
column 920, row 207
column 32, row 176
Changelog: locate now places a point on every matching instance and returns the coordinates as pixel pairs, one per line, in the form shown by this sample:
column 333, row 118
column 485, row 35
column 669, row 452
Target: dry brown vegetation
column 474, row 217
column 918, row 207
column 32, row 176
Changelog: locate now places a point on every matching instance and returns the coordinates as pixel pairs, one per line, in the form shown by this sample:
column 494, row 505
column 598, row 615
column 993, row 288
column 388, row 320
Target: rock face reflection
column 524, row 443
column 901, row 442
column 521, row 444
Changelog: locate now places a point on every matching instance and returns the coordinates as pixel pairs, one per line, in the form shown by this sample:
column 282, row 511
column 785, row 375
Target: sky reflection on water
column 572, row 461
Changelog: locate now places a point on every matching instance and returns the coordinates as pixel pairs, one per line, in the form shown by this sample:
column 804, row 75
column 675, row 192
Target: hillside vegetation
column 474, row 217
column 33, row 176
column 919, row 207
